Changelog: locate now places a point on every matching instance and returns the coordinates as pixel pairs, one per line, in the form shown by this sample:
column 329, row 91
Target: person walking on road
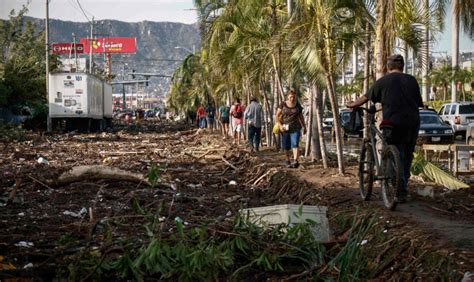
column 210, row 113
column 224, row 118
column 291, row 120
column 201, row 116
column 254, row 117
column 237, row 113
column 400, row 96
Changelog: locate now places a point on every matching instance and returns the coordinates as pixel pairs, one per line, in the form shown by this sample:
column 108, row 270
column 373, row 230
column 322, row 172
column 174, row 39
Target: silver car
column 458, row 115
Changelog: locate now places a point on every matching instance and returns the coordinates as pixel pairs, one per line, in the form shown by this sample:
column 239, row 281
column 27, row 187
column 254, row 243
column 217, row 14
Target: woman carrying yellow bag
column 290, row 121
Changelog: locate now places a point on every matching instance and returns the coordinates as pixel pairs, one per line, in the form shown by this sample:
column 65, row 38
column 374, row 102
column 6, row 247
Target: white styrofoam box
column 289, row 214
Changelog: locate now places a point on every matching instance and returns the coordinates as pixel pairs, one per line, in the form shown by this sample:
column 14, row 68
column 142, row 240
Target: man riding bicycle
column 400, row 97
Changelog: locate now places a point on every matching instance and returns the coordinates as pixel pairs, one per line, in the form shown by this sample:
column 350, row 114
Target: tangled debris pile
column 169, row 209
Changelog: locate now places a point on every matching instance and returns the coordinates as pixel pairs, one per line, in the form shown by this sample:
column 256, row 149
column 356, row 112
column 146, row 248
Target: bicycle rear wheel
column 366, row 170
column 392, row 180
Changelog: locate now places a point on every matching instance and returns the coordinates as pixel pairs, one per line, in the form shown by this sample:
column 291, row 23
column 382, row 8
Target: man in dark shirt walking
column 400, row 97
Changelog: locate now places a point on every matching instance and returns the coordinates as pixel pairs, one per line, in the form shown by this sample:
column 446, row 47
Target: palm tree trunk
column 277, row 76
column 426, row 56
column 365, row 87
column 355, row 67
column 310, row 122
column 445, row 92
column 268, row 117
column 336, row 121
column 454, row 46
column 404, row 47
column 318, row 122
column 380, row 39
column 276, row 103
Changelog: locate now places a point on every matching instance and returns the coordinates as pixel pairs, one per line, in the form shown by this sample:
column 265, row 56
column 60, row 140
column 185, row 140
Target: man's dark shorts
column 225, row 120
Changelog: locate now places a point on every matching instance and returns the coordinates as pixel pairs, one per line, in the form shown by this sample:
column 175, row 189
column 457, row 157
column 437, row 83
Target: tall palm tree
column 441, row 77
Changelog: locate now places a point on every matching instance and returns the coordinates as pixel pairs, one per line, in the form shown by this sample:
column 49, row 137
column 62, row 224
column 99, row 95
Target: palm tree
column 317, row 31
column 461, row 77
column 441, row 77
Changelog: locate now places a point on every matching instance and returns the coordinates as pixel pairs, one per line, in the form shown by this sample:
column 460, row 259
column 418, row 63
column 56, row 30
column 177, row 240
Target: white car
column 328, row 121
column 458, row 115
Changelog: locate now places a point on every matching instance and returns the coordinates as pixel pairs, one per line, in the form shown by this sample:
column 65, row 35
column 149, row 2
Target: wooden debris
column 89, row 172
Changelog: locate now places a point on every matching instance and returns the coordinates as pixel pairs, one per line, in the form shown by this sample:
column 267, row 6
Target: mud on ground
column 45, row 226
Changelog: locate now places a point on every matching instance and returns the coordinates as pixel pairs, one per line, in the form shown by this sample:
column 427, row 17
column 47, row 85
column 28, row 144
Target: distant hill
column 156, row 42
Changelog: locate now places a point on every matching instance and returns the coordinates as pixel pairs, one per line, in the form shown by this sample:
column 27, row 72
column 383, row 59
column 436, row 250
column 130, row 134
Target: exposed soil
column 201, row 178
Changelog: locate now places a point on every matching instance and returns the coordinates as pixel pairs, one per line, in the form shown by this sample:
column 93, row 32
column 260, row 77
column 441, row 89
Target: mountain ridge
column 156, row 42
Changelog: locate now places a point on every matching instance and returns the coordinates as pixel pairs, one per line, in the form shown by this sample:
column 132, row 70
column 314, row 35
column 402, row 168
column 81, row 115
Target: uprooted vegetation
column 183, row 221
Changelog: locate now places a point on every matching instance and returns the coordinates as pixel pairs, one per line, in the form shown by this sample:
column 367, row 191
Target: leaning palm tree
column 317, row 29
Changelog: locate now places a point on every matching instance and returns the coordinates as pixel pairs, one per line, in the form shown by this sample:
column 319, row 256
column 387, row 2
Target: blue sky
column 154, row 10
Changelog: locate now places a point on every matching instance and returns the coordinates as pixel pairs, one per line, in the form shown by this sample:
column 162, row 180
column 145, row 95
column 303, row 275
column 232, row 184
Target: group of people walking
column 289, row 121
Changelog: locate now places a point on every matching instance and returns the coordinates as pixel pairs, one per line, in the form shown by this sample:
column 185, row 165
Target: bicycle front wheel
column 392, row 176
column 366, row 170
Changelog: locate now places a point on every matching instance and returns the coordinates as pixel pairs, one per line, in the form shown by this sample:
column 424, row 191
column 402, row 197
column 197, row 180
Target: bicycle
column 388, row 168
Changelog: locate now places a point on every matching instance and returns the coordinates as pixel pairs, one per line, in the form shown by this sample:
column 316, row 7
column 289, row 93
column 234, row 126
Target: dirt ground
column 45, row 223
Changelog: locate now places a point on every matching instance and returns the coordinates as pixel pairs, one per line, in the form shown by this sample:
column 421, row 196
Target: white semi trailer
column 79, row 101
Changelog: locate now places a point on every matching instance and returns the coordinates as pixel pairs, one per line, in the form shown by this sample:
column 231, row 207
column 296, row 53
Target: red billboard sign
column 67, row 48
column 110, row 45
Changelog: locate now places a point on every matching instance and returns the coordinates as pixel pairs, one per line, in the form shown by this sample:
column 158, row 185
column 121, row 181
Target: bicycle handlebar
column 371, row 110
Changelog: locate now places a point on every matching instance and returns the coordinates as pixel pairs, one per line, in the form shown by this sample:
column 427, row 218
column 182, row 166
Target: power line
column 78, row 3
column 72, row 3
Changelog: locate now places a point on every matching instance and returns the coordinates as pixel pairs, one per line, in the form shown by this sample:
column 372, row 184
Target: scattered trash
column 173, row 186
column 233, row 198
column 21, row 214
column 385, row 231
column 42, row 160
column 363, row 242
column 25, row 244
column 29, row 265
column 178, row 219
column 232, row 182
column 229, row 213
column 81, row 213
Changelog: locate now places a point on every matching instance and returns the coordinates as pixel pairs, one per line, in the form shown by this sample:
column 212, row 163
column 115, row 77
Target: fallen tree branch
column 88, row 172
column 229, row 164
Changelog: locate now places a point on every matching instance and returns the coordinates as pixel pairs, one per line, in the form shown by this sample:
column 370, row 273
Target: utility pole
column 75, row 51
column 90, row 46
column 46, row 30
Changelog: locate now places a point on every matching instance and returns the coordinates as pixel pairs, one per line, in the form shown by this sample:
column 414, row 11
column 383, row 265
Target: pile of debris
column 163, row 200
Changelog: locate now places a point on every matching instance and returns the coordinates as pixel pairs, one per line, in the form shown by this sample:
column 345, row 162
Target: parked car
column 470, row 134
column 327, row 121
column 433, row 130
column 459, row 115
